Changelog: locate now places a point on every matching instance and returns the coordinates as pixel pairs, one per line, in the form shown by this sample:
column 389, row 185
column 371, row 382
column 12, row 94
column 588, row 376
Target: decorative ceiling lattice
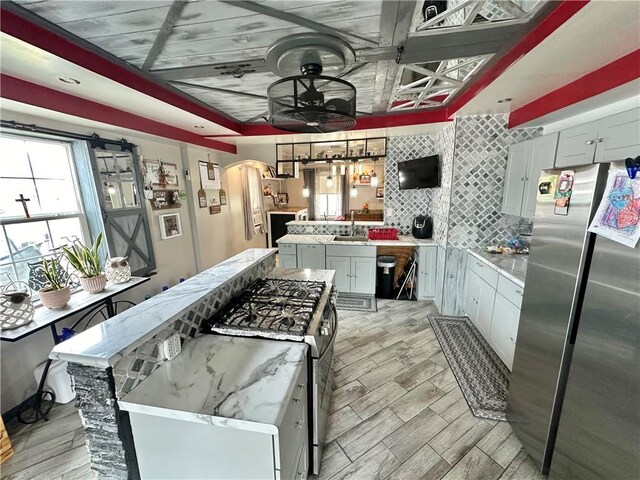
column 433, row 84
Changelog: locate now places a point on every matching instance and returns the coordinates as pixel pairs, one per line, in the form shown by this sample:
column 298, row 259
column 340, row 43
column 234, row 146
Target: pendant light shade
column 334, row 170
column 305, row 192
column 360, row 168
column 343, row 169
column 353, row 191
column 374, row 179
column 352, row 169
column 329, row 181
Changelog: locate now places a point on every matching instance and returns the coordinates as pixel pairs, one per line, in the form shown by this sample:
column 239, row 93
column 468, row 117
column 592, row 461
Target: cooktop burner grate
column 270, row 305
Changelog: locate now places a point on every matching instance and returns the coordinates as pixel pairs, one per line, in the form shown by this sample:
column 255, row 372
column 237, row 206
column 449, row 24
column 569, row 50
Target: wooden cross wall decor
column 24, row 205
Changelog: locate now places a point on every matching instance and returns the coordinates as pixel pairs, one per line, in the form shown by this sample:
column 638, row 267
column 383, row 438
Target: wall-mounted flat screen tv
column 419, row 173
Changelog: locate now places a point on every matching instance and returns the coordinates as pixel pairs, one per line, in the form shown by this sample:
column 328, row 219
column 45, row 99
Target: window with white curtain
column 328, row 199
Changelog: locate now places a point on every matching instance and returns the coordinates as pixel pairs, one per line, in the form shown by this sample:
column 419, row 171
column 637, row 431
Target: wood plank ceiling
column 180, row 35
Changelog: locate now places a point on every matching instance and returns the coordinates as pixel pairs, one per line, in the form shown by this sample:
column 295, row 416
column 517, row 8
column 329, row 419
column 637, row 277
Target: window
column 328, row 199
column 37, row 175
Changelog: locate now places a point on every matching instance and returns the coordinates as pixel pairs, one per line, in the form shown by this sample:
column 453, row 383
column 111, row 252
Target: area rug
column 356, row 302
column 483, row 378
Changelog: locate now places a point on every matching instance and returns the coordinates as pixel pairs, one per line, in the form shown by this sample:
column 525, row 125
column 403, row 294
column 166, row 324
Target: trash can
column 58, row 380
column 385, row 275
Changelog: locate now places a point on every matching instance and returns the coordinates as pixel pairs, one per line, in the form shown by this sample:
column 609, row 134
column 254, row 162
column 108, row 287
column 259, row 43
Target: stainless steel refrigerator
column 574, row 399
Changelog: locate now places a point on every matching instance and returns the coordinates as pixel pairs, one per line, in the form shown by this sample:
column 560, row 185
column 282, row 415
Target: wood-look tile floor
column 397, row 413
column 51, row 450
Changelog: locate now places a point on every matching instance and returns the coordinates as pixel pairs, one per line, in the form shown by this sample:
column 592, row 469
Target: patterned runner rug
column 356, row 302
column 483, row 378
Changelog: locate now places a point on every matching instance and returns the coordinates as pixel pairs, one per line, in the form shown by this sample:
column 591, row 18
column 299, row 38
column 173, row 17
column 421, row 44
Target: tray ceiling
column 214, row 50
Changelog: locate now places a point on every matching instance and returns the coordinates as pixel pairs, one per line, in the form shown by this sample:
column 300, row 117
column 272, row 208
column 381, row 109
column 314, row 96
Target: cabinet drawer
column 484, row 271
column 510, row 291
column 295, row 425
column 287, row 248
column 351, row 251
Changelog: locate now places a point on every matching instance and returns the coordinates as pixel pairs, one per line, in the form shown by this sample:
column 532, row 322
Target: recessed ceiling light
column 198, row 126
column 505, row 100
column 69, row 80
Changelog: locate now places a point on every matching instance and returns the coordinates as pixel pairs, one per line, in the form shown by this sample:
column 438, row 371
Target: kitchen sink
column 338, row 238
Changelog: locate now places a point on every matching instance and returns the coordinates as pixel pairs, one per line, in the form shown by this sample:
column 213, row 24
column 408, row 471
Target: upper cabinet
column 610, row 139
column 525, row 162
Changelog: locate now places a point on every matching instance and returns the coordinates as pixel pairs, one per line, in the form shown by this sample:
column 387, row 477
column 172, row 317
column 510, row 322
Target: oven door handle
column 333, row 338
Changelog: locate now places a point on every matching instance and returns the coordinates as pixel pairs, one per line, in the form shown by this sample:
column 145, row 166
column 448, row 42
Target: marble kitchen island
column 245, row 396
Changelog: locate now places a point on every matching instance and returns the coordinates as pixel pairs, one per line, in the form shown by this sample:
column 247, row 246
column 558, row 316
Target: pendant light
column 352, row 169
column 334, row 170
column 353, row 191
column 329, row 181
column 306, row 192
column 374, row 176
column 360, row 168
column 343, row 169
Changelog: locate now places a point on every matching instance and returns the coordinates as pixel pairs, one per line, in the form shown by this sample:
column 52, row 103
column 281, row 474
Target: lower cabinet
column 495, row 313
column 427, row 257
column 354, row 274
column 504, row 329
column 287, row 261
column 311, row 256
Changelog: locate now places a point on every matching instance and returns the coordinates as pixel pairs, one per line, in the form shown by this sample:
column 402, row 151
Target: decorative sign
column 202, row 198
column 213, row 209
column 283, row 198
column 380, row 192
column 547, row 185
column 618, row 215
column 163, row 199
column 209, row 175
column 563, row 193
column 170, row 225
column 160, row 174
column 223, row 197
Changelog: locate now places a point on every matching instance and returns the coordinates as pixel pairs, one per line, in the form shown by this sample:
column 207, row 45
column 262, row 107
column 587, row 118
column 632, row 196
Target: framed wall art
column 163, row 199
column 283, row 198
column 170, row 225
column 209, row 175
column 380, row 192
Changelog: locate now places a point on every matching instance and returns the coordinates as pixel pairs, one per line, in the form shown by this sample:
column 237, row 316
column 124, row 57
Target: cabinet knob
column 300, row 385
column 479, row 264
column 589, row 142
column 600, row 140
column 519, row 292
column 302, row 475
column 511, row 338
column 522, row 179
column 296, row 400
column 300, row 423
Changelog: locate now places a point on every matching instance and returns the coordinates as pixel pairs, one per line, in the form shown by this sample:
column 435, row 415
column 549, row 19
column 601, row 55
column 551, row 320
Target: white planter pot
column 94, row 284
column 55, row 299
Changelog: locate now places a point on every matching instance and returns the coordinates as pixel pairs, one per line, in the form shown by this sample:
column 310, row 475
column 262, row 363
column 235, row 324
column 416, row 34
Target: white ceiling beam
column 298, row 20
column 165, row 30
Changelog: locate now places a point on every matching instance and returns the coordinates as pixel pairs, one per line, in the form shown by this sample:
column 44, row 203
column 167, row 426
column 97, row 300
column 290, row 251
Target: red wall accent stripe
column 558, row 16
column 621, row 71
column 20, row 28
column 32, row 94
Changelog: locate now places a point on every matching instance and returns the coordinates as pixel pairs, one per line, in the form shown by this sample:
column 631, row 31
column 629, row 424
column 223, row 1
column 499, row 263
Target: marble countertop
column 403, row 241
column 362, row 223
column 513, row 267
column 103, row 345
column 306, row 274
column 233, row 382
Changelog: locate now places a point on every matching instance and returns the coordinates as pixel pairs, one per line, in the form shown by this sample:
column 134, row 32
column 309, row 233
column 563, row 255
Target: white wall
column 218, row 237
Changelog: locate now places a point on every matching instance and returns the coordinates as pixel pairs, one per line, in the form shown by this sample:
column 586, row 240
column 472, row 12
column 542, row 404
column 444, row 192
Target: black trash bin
column 385, row 275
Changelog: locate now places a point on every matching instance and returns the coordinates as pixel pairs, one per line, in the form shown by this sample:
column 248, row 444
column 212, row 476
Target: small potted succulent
column 86, row 261
column 57, row 293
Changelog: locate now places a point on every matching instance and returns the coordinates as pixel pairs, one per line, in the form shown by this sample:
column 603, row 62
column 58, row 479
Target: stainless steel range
column 294, row 310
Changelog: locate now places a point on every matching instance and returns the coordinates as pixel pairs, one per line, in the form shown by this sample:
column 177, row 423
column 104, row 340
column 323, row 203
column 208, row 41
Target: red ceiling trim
column 13, row 88
column 554, row 20
column 364, row 123
column 620, row 71
column 38, row 36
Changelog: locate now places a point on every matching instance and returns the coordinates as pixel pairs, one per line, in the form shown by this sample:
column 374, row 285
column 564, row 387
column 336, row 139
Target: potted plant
column 57, row 293
column 86, row 260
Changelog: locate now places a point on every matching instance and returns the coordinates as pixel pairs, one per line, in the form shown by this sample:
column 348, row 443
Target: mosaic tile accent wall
column 401, row 206
column 441, row 197
column 136, row 366
column 319, row 229
column 481, row 149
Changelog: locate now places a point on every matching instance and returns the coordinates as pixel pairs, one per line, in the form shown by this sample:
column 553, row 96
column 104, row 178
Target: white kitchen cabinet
column 485, row 309
column 427, row 257
column 525, row 162
column 504, row 329
column 472, row 287
column 342, row 266
column 610, row 139
column 311, row 256
column 287, row 261
column 363, row 275
column 519, row 154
